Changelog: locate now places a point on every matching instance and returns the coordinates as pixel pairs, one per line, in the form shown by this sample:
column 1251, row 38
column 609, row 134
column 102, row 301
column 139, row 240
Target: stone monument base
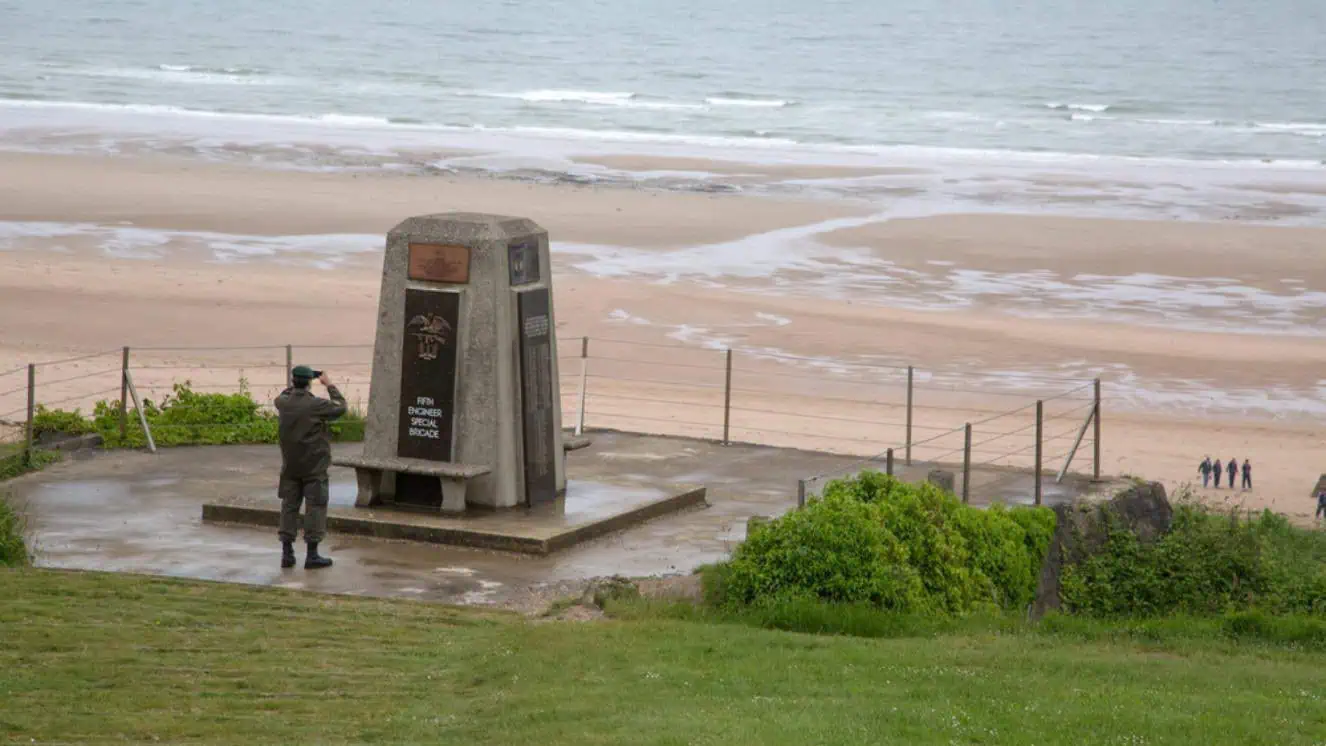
column 589, row 510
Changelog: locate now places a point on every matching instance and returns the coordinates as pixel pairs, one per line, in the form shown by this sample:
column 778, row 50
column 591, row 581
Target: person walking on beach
column 1321, row 505
column 1233, row 471
column 1216, row 470
column 305, row 457
column 1247, row 474
column 1204, row 469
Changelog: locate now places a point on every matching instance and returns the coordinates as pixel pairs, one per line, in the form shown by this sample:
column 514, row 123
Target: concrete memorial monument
column 463, row 443
column 464, row 409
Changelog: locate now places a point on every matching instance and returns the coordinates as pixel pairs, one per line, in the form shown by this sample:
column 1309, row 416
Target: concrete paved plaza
column 137, row 512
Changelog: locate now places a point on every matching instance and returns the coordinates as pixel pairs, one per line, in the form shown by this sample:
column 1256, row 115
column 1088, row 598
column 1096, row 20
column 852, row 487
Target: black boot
column 313, row 561
column 287, row 554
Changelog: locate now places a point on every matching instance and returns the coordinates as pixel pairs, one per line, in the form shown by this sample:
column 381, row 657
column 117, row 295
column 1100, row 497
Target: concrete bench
column 377, row 479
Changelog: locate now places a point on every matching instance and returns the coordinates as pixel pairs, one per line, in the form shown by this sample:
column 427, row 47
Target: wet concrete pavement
column 137, row 512
column 588, row 509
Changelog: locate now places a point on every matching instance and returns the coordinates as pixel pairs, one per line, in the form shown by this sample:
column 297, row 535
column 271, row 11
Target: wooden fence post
column 142, row 416
column 727, row 400
column 1096, row 434
column 908, row 454
column 124, row 394
column 584, row 384
column 32, row 411
column 888, row 462
column 1040, row 445
column 966, row 464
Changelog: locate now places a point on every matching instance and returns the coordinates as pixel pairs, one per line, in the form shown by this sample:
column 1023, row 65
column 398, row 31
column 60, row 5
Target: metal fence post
column 1095, row 436
column 966, row 463
column 124, row 394
column 289, row 363
column 584, row 385
column 1040, row 425
column 32, row 411
column 908, row 455
column 727, row 400
column 888, row 462
column 801, row 493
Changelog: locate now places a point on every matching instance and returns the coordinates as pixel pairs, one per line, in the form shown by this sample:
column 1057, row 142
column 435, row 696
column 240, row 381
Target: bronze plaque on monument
column 536, row 394
column 439, row 263
column 428, row 374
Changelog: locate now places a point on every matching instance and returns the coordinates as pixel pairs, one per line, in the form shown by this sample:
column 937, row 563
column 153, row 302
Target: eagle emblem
column 432, row 332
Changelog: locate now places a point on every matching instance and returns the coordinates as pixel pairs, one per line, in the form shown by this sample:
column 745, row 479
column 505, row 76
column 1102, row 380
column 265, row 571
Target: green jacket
column 305, row 435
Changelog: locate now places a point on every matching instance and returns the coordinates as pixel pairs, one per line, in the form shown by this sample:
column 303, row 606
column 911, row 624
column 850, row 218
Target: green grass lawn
column 95, row 657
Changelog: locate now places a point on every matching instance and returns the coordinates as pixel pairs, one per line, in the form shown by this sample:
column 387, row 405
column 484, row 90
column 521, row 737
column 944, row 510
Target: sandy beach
column 1208, row 336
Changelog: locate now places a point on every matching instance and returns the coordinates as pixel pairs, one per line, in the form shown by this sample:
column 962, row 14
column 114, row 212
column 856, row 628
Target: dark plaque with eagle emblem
column 428, row 374
column 536, row 394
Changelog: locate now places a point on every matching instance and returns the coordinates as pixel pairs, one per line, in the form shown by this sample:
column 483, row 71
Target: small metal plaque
column 523, row 258
column 439, row 263
column 428, row 374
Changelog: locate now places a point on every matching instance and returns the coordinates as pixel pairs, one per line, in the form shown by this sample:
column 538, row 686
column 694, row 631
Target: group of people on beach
column 1214, row 469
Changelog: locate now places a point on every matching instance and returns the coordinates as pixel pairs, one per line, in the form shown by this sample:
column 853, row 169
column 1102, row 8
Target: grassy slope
column 88, row 657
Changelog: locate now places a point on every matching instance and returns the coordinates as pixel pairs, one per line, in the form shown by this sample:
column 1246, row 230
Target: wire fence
column 927, row 420
column 901, row 419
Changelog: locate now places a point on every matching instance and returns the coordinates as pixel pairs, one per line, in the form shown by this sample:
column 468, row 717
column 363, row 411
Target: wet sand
column 1172, row 394
column 771, row 171
column 1254, row 254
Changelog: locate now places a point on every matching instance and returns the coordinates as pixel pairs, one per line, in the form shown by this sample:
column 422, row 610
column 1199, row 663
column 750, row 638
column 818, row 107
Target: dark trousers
column 1217, row 478
column 310, row 490
column 1247, row 481
column 1232, row 477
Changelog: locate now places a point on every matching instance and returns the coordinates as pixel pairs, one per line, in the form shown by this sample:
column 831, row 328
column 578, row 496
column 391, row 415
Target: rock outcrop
column 1082, row 529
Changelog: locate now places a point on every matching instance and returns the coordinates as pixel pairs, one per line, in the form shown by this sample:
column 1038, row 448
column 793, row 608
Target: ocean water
column 1229, row 80
column 1178, row 104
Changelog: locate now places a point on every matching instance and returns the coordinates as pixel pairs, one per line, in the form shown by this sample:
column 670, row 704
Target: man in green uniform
column 305, row 456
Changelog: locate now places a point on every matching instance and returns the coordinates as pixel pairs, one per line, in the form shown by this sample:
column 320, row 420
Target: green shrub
column 928, row 522
column 13, row 549
column 13, row 464
column 1294, row 566
column 835, row 549
column 1039, row 523
column 891, row 545
column 998, row 547
column 187, row 417
column 49, row 421
column 1208, row 564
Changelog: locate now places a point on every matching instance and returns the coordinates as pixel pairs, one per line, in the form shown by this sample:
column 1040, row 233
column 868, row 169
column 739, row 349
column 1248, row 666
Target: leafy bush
column 892, row 545
column 13, row 464
column 13, row 549
column 50, row 421
column 926, row 520
column 836, row 549
column 1208, row 564
column 188, row 417
column 1001, row 552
